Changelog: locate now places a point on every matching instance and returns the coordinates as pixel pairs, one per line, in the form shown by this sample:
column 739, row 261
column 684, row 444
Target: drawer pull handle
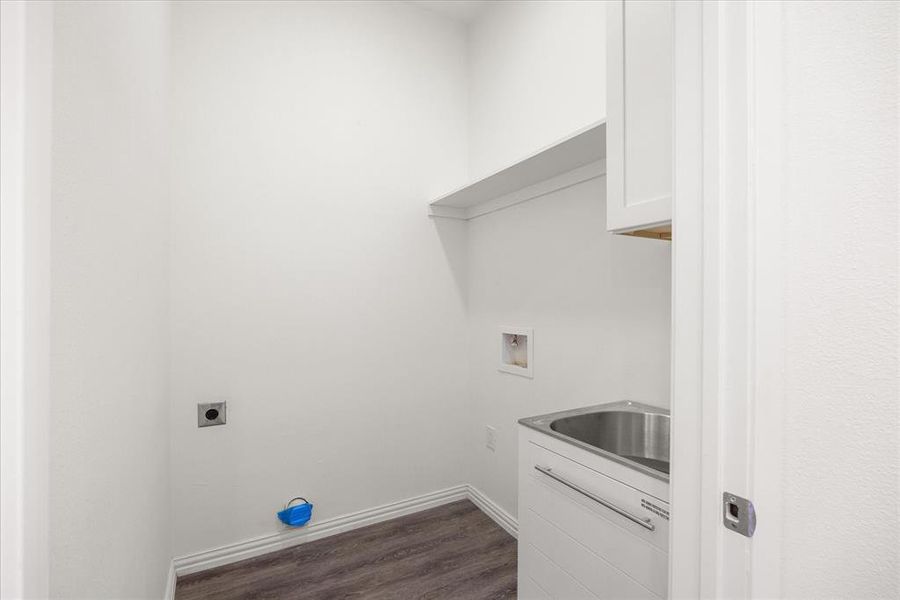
column 645, row 523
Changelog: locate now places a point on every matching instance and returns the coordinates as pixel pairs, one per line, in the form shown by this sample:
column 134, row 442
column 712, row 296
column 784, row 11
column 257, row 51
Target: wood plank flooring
column 452, row 551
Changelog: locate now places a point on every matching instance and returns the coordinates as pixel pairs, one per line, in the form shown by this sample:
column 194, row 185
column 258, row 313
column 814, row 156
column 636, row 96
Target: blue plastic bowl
column 296, row 516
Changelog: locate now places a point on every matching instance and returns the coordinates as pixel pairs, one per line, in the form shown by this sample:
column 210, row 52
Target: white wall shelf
column 573, row 159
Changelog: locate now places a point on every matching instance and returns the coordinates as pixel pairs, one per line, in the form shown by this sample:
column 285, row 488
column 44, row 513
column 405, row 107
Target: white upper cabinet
column 639, row 104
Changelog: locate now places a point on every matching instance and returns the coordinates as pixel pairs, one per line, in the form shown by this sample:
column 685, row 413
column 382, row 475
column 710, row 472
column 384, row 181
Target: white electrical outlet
column 490, row 438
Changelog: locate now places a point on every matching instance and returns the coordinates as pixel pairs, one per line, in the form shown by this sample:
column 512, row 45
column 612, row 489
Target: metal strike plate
column 738, row 514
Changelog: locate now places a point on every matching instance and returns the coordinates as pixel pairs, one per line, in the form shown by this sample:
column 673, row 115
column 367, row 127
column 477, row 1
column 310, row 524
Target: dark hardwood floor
column 452, row 551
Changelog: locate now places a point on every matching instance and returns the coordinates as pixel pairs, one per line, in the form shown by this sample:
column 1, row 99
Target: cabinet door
column 639, row 125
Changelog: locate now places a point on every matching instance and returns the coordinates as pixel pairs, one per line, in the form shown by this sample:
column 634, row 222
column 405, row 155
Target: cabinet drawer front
column 594, row 572
column 549, row 576
column 640, row 553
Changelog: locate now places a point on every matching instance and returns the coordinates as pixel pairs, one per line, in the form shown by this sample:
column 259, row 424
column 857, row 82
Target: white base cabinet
column 571, row 545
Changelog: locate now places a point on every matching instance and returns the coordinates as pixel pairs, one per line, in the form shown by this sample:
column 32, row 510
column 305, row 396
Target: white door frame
column 25, row 114
column 726, row 361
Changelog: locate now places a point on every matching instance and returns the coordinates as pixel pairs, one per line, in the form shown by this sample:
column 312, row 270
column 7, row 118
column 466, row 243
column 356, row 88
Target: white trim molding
column 170, row 582
column 728, row 296
column 26, row 77
column 493, row 510
column 216, row 557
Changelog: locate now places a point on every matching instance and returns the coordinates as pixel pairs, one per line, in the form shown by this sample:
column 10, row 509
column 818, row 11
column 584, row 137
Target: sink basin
column 641, row 437
column 627, row 432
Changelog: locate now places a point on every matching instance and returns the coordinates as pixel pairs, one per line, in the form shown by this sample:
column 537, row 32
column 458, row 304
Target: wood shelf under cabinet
column 580, row 154
column 656, row 233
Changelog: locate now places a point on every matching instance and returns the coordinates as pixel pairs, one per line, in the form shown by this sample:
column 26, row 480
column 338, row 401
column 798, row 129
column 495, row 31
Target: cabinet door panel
column 529, row 590
column 648, row 101
column 595, row 573
column 549, row 576
column 639, row 156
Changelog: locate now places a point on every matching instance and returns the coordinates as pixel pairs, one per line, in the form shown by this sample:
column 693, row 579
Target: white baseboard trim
column 494, row 511
column 170, row 582
column 216, row 557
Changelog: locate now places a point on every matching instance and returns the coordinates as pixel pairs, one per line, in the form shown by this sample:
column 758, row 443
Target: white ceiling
column 461, row 10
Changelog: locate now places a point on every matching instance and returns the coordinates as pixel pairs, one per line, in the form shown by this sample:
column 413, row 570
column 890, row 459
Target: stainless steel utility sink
column 630, row 433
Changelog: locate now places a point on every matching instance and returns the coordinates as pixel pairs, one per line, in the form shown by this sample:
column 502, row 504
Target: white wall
column 309, row 289
column 109, row 479
column 292, row 125
column 599, row 303
column 537, row 73
column 842, row 402
column 599, row 306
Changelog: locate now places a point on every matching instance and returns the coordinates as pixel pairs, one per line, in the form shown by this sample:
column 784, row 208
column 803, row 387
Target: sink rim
column 542, row 423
